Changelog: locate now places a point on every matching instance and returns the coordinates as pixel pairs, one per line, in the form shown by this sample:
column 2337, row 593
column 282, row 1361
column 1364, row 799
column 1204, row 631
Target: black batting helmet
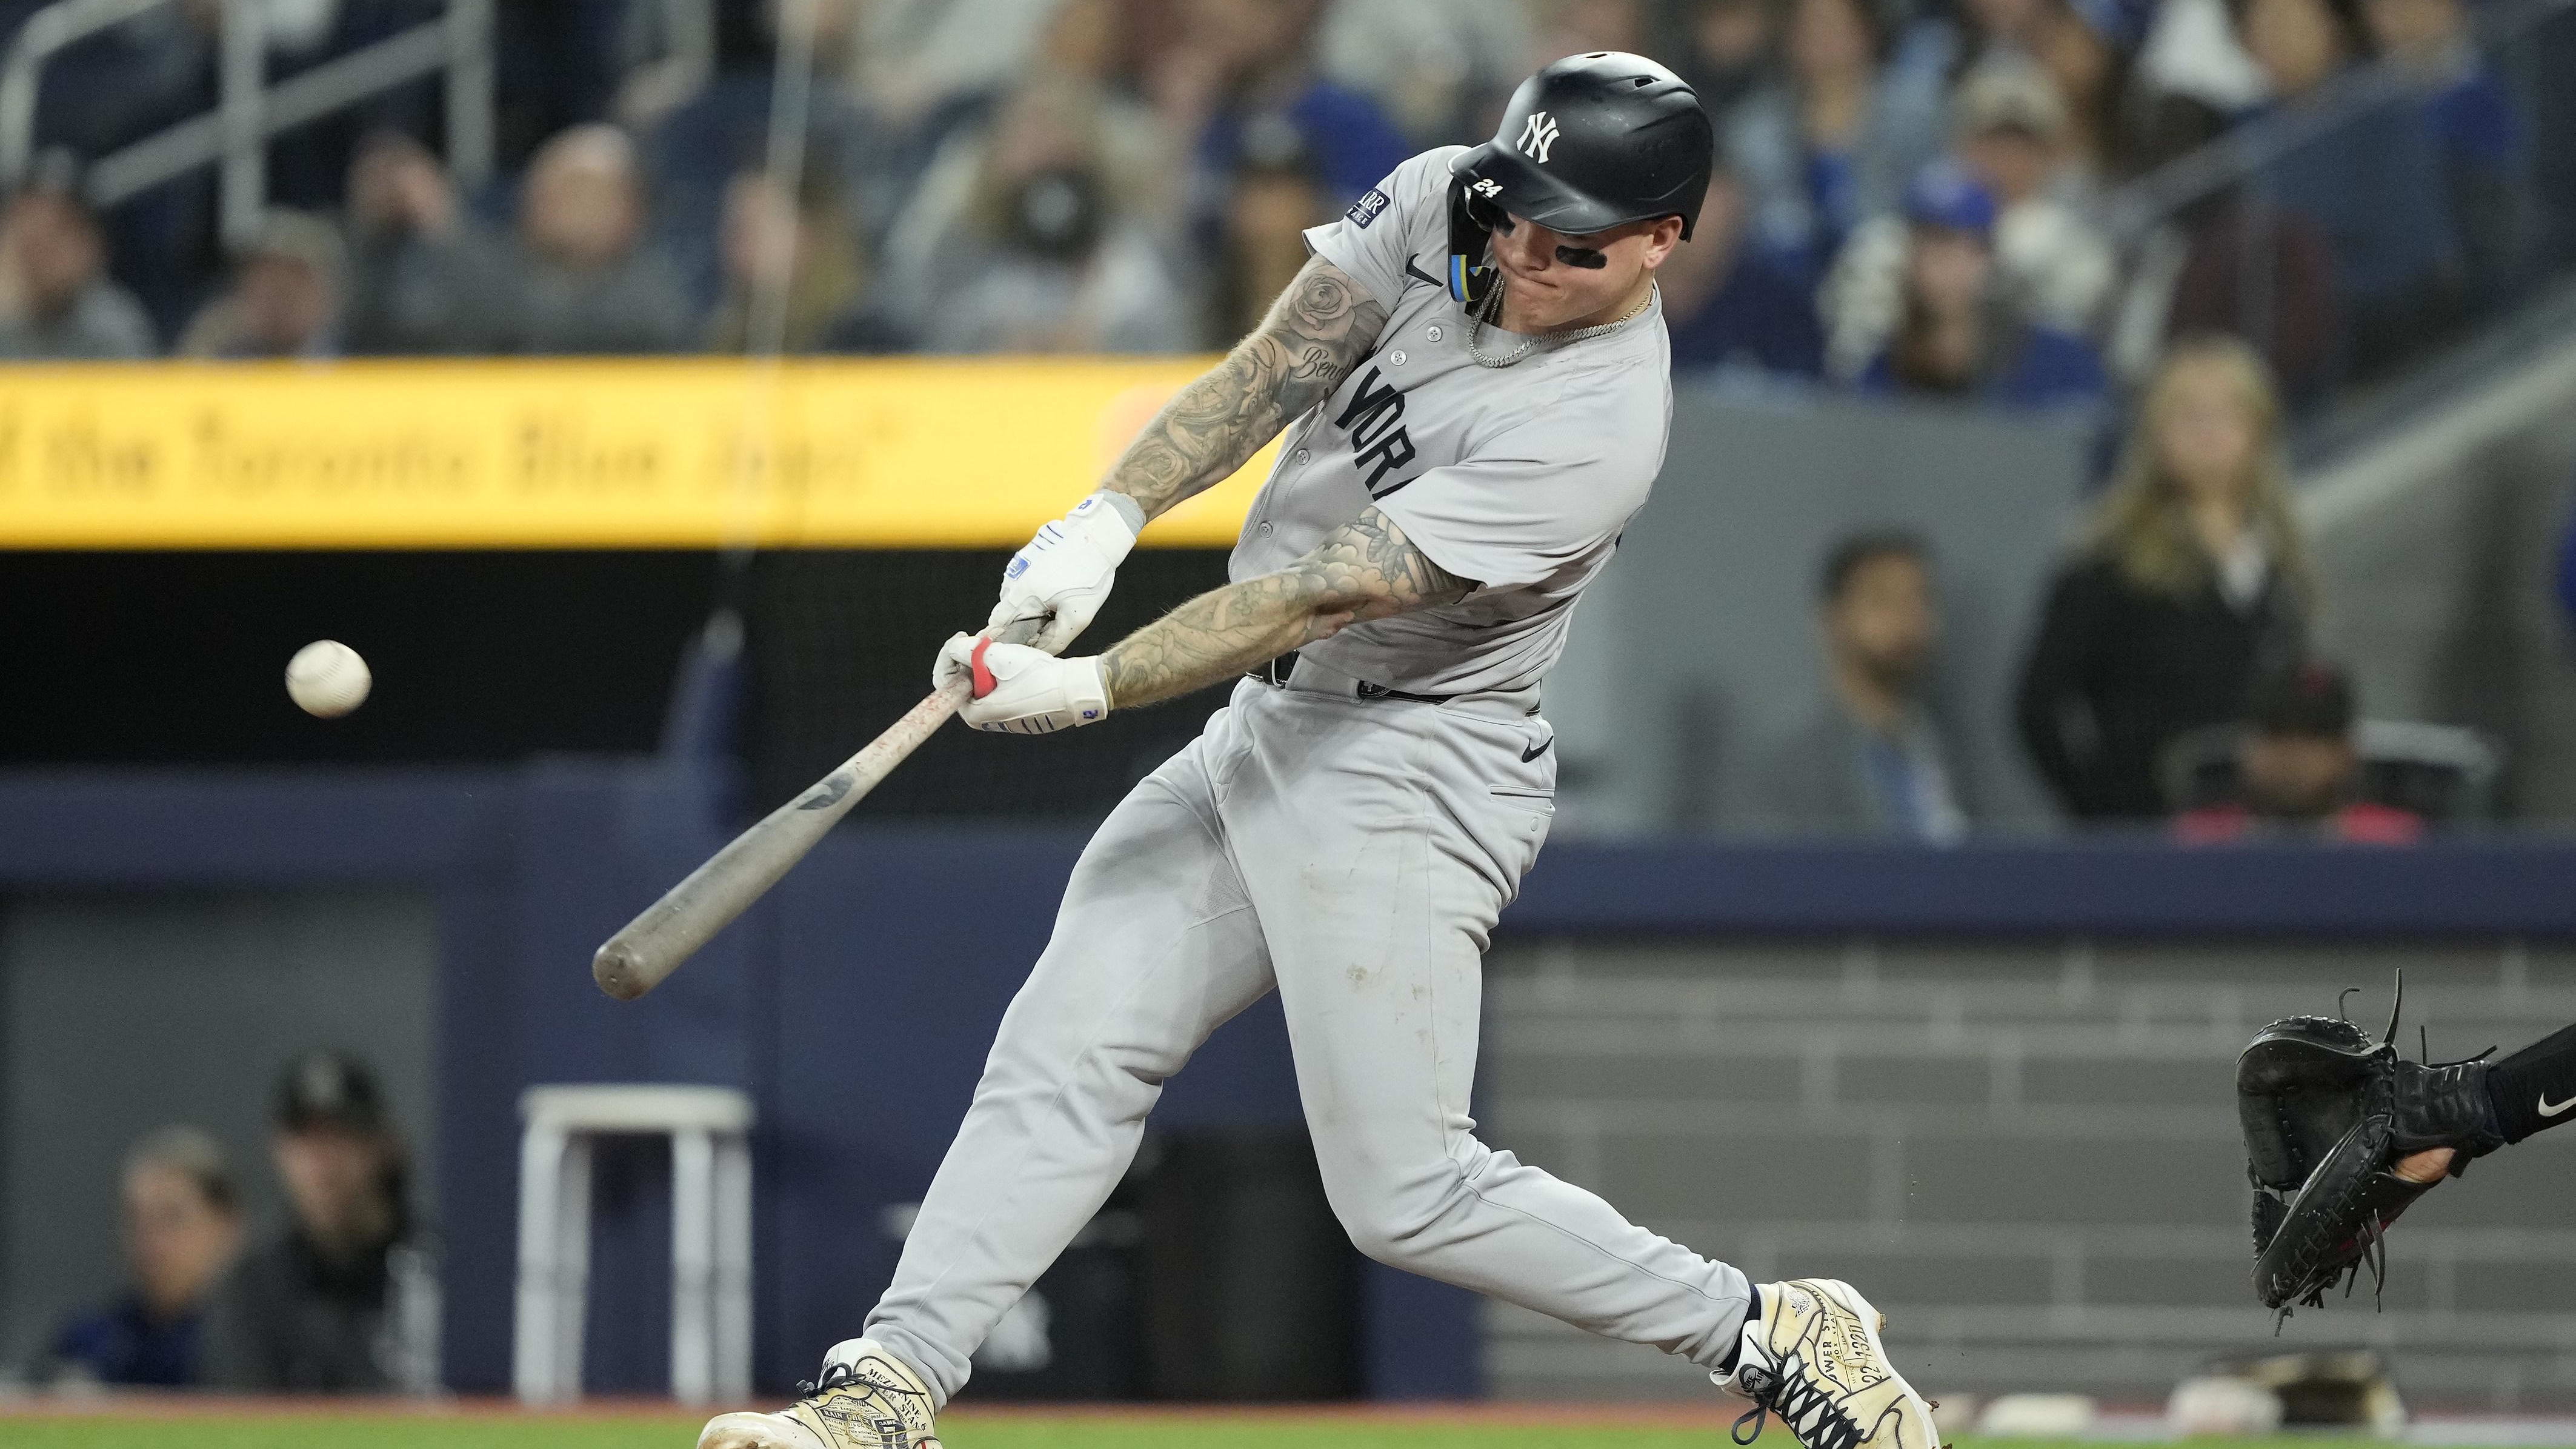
column 1594, row 141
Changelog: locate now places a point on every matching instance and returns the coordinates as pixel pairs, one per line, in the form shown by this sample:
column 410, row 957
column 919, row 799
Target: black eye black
column 1584, row 257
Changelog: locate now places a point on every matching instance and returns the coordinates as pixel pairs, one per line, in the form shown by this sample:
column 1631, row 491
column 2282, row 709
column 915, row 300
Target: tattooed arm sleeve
column 1322, row 324
column 1364, row 570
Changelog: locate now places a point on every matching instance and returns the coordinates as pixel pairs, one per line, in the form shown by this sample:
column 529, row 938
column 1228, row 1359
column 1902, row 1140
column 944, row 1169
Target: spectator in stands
column 2013, row 136
column 2229, row 262
column 1439, row 69
column 1275, row 199
column 1726, row 304
column 2371, row 181
column 918, row 58
column 2298, row 771
column 57, row 302
column 2192, row 580
column 1724, row 48
column 425, row 277
column 2052, row 268
column 1957, row 334
column 1832, row 142
column 182, row 1230
column 806, row 247
column 2085, row 47
column 1243, row 74
column 1868, row 760
column 1042, row 258
column 1571, row 27
column 331, row 1304
column 1067, row 110
column 588, row 282
column 285, row 296
column 2477, row 136
column 696, row 142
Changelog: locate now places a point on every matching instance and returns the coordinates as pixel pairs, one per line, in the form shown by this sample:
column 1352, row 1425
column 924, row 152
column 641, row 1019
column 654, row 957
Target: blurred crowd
column 1909, row 198
column 341, row 1298
column 2171, row 676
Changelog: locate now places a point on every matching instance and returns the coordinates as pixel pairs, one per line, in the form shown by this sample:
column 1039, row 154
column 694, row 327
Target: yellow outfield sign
column 943, row 453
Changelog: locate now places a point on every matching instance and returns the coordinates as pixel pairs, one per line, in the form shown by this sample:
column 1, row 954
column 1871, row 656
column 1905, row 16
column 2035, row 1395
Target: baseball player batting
column 1475, row 382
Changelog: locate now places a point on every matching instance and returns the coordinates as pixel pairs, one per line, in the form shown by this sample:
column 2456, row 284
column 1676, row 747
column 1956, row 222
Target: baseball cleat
column 866, row 1399
column 1812, row 1356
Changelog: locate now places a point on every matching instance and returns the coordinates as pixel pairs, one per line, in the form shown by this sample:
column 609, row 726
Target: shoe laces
column 842, row 1376
column 833, row 1376
column 1807, row 1409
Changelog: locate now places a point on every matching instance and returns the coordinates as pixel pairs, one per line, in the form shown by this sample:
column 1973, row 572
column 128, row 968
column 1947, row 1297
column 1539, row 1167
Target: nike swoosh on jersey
column 2546, row 1110
column 1543, row 746
column 1419, row 275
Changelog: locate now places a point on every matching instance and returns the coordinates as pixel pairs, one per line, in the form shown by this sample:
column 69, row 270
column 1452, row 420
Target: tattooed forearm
column 1365, row 570
column 1322, row 324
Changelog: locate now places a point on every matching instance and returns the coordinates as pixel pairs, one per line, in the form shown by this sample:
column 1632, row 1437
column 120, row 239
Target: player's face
column 1565, row 279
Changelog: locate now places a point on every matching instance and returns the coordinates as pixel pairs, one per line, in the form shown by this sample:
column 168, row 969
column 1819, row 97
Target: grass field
column 1017, row 1430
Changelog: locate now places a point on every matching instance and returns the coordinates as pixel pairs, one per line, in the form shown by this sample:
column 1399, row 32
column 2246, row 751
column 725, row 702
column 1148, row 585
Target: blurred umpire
column 345, row 1299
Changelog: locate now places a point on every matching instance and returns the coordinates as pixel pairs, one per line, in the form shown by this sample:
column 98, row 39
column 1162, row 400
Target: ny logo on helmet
column 1538, row 137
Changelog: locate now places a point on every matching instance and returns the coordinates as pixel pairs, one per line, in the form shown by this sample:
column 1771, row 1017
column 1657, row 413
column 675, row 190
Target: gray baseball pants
column 1352, row 854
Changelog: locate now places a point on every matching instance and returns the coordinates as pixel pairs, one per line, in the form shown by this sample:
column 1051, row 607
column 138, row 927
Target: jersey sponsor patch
column 1368, row 209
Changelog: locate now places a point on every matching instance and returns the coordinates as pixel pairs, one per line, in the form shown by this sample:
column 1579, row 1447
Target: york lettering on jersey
column 1374, row 419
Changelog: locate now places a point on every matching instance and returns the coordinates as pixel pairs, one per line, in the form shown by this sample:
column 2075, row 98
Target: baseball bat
column 689, row 914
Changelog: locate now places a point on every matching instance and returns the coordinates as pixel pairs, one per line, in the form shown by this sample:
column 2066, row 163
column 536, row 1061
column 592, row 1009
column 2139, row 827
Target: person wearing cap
column 1830, row 143
column 1957, row 335
column 183, row 1227
column 2051, row 266
column 2298, row 771
column 285, row 296
column 333, row 1304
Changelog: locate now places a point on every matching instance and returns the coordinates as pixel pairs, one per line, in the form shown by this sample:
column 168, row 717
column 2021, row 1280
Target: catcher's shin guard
column 865, row 1399
column 2326, row 1110
column 1812, row 1356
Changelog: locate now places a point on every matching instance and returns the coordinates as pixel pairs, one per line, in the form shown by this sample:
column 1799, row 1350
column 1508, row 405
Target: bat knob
column 618, row 973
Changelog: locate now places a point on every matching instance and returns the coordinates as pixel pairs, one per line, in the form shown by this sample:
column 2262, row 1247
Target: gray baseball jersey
column 1519, row 478
column 1347, row 850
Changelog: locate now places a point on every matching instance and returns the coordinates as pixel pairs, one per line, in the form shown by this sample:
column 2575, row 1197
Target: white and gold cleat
column 1813, row 1357
column 866, row 1399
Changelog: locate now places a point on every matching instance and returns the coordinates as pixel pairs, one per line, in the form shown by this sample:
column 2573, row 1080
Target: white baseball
column 327, row 679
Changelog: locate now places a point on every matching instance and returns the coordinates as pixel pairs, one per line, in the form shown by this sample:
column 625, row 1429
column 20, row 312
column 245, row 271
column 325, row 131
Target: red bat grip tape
column 983, row 676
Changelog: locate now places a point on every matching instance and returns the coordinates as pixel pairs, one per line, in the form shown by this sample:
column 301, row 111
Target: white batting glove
column 1064, row 575
column 1018, row 690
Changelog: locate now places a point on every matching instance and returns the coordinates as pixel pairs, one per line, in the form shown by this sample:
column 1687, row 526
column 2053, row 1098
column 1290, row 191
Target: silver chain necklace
column 1481, row 317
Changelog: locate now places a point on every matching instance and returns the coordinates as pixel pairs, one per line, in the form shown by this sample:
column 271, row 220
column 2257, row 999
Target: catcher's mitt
column 2326, row 1110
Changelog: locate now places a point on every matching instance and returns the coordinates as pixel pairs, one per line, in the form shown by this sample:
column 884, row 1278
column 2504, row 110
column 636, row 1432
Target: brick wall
column 2026, row 1153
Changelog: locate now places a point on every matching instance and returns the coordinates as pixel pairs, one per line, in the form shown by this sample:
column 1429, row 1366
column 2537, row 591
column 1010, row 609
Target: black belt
column 1276, row 672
